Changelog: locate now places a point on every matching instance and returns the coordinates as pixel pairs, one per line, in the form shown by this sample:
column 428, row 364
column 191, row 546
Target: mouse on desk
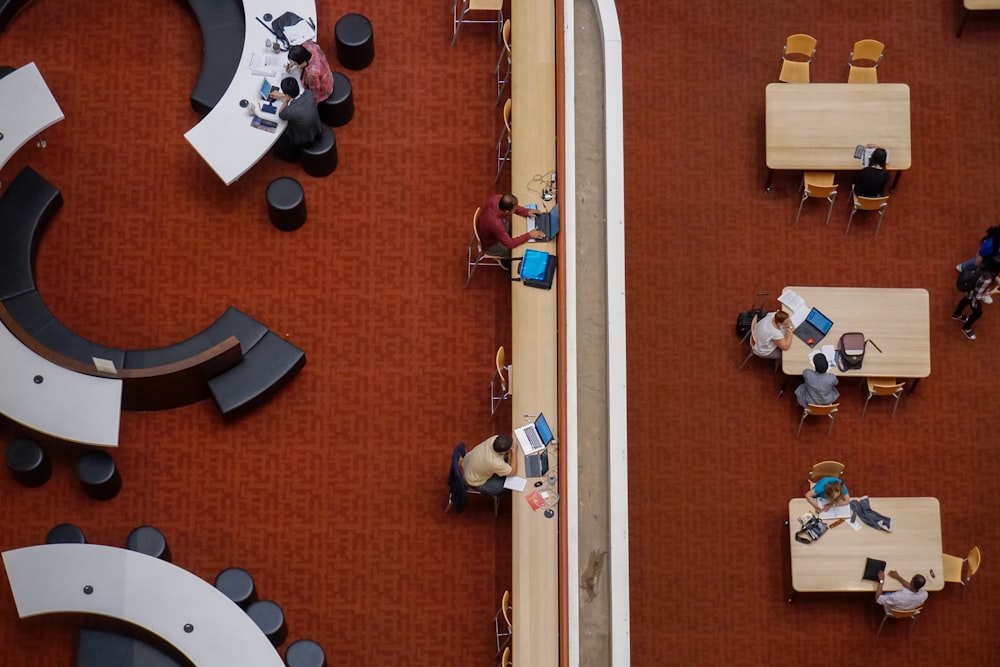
column 810, row 341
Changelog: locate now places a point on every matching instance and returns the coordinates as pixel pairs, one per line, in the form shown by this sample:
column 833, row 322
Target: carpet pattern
column 715, row 445
column 332, row 495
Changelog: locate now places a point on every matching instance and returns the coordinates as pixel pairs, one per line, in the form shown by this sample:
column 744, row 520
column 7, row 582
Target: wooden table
column 30, row 109
column 836, row 561
column 975, row 6
column 817, row 126
column 184, row 610
column 535, row 584
column 896, row 319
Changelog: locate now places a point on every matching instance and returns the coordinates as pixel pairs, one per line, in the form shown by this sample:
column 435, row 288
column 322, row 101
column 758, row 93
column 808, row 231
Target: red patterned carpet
column 333, row 494
column 713, row 455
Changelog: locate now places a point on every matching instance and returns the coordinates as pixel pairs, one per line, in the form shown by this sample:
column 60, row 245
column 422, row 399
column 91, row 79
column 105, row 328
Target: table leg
column 961, row 23
column 895, row 181
column 767, row 186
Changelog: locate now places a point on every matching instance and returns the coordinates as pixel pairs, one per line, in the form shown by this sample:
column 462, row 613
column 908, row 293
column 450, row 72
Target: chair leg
column 457, row 22
column 804, row 415
column 866, row 405
column 745, row 361
column 848, row 230
column 802, row 201
column 895, row 406
column 472, row 265
column 829, row 431
column 881, row 214
column 829, row 211
column 913, row 624
column 881, row 624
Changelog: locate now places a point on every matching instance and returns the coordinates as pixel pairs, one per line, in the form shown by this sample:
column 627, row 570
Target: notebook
column 534, row 436
column 815, row 326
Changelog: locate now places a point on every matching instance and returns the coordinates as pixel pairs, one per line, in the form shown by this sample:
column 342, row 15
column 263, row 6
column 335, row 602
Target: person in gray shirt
column 819, row 387
column 298, row 108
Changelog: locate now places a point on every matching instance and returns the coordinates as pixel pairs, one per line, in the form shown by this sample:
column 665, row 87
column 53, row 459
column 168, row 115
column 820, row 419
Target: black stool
column 27, row 461
column 338, row 109
column 237, row 585
column 99, row 475
column 286, row 204
column 150, row 541
column 65, row 533
column 270, row 619
column 305, row 653
column 320, row 157
column 6, row 69
column 355, row 41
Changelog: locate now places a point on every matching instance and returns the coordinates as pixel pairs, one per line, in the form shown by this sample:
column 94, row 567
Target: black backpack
column 968, row 279
column 744, row 319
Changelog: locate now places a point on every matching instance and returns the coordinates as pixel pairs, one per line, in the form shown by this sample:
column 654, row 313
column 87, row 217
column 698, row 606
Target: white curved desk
column 225, row 138
column 30, row 110
column 139, row 589
column 65, row 404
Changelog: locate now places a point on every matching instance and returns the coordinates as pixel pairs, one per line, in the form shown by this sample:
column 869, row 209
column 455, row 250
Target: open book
column 796, row 304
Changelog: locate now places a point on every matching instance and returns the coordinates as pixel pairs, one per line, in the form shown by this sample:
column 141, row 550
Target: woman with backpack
column 986, row 286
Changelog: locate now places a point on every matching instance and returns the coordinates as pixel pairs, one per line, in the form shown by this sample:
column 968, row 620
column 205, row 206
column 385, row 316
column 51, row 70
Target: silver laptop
column 534, row 437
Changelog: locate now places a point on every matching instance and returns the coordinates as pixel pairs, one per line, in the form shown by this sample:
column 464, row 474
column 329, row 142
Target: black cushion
column 223, row 29
column 27, row 205
column 355, row 41
column 266, row 368
column 232, row 322
column 305, row 653
column 65, row 533
column 235, row 322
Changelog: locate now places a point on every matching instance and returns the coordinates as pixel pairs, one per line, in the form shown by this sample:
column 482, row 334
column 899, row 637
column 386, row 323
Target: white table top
column 836, row 561
column 224, row 137
column 896, row 319
column 30, row 109
column 817, row 126
column 142, row 590
column 67, row 405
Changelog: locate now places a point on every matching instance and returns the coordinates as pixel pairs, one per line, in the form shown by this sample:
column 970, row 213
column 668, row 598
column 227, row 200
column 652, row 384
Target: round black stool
column 27, row 461
column 270, row 619
column 305, row 653
column 237, row 585
column 286, row 204
column 338, row 109
column 150, row 541
column 99, row 475
column 320, row 157
column 355, row 41
column 65, row 533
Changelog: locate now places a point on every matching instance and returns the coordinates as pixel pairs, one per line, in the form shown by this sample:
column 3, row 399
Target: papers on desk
column 298, row 33
column 837, row 512
column 514, row 483
column 267, row 64
column 827, row 351
column 796, row 304
column 865, row 153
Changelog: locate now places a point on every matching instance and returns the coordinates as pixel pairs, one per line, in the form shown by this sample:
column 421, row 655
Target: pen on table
column 836, row 523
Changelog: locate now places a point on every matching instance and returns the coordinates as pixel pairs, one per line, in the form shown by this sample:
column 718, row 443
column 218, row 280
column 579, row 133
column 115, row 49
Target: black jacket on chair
column 456, row 483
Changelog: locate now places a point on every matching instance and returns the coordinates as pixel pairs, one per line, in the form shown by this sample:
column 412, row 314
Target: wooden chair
column 825, row 469
column 505, row 55
column 476, row 255
column 505, row 660
column 505, row 141
column 480, row 7
column 865, row 51
column 818, row 411
column 500, row 382
column 503, row 626
column 883, row 387
column 818, row 185
column 797, row 70
column 867, row 204
column 900, row 614
column 960, row 570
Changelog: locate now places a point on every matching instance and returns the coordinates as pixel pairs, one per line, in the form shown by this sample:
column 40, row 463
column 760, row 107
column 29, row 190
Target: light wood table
column 836, row 561
column 975, row 6
column 535, row 584
column 817, row 126
column 184, row 610
column 30, row 109
column 896, row 319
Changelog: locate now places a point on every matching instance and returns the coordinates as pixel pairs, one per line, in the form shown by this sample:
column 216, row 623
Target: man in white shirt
column 908, row 597
column 773, row 335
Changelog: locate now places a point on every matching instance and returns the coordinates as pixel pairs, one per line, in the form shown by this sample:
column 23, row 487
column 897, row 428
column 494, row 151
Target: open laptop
column 813, row 328
column 547, row 223
column 534, row 437
column 536, row 465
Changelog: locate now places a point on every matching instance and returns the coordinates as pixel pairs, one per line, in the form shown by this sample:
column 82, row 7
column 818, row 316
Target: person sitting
column 830, row 489
column 817, row 387
column 910, row 596
column 873, row 178
column 493, row 225
column 314, row 69
column 298, row 108
column 773, row 335
column 486, row 467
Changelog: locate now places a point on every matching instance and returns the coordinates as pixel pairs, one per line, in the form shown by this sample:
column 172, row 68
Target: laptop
column 534, row 437
column 536, row 465
column 813, row 328
column 547, row 223
column 266, row 89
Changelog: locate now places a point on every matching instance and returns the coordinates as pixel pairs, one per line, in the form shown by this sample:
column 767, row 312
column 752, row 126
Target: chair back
column 973, row 560
column 870, row 203
column 886, row 389
column 506, row 36
column 826, row 469
column 506, row 114
column 822, row 410
column 505, row 608
column 502, row 368
column 902, row 613
column 820, row 191
column 505, row 658
column 753, row 337
column 475, row 228
column 867, row 49
column 800, row 44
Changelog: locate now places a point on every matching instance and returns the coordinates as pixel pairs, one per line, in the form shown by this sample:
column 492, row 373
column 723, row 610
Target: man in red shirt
column 315, row 70
column 494, row 225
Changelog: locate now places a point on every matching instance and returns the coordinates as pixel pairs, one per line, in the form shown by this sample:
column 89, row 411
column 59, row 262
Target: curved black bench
column 9, row 9
column 101, row 648
column 266, row 368
column 28, row 204
column 223, row 31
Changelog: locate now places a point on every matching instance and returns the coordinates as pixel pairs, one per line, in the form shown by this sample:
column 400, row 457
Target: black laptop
column 815, row 326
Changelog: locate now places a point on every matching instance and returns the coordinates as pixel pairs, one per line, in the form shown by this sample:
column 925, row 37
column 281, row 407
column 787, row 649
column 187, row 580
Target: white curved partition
column 31, row 109
column 182, row 609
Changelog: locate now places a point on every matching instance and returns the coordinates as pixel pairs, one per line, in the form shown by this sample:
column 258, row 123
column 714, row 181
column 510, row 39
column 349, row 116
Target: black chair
column 286, row 204
column 237, row 585
column 320, row 157
column 305, row 653
column 270, row 619
column 65, row 533
column 338, row 109
column 355, row 41
column 150, row 541
column 27, row 461
column 99, row 475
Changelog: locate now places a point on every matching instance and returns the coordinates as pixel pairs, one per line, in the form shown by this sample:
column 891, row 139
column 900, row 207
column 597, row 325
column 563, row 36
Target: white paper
column 514, row 483
column 267, row 64
column 827, row 351
column 298, row 33
column 837, row 512
column 796, row 304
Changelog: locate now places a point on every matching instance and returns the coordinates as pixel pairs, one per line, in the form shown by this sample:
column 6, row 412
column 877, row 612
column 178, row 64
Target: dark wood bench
column 266, row 368
column 223, row 32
